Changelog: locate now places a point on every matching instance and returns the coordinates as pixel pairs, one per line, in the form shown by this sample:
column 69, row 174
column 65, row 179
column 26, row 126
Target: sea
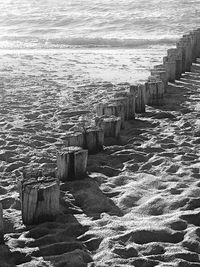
column 67, row 44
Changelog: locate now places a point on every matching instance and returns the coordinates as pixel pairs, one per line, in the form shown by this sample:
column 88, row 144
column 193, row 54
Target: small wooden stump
column 161, row 75
column 188, row 41
column 128, row 100
column 197, row 41
column 184, row 45
column 174, row 54
column 170, row 65
column 1, row 225
column 139, row 93
column 154, row 93
column 124, row 101
column 74, row 139
column 112, row 109
column 39, row 199
column 110, row 125
column 193, row 45
column 93, row 140
column 132, row 105
column 71, row 163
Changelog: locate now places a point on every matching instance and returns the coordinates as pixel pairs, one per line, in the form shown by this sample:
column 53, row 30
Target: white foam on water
column 123, row 39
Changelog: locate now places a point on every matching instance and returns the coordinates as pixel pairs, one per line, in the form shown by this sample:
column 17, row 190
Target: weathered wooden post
column 124, row 101
column 174, row 54
column 71, row 163
column 128, row 100
column 185, row 45
column 170, row 65
column 161, row 74
column 132, row 102
column 1, row 225
column 193, row 42
column 181, row 45
column 93, row 139
column 154, row 92
column 139, row 92
column 111, row 109
column 187, row 40
column 39, row 199
column 197, row 43
column 110, row 125
column 74, row 139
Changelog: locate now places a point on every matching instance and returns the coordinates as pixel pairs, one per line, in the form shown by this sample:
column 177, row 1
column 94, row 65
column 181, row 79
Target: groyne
column 39, row 191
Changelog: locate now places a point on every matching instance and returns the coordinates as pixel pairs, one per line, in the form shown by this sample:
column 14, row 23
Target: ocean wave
column 111, row 42
column 82, row 42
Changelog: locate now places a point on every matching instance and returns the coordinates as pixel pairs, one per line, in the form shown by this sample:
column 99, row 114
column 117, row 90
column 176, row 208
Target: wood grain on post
column 175, row 54
column 128, row 100
column 197, row 42
column 1, row 225
column 100, row 109
column 193, row 43
column 140, row 106
column 110, row 125
column 93, row 139
column 39, row 200
column 170, row 68
column 123, row 101
column 154, row 92
column 184, row 44
column 160, row 93
column 162, row 75
column 139, row 92
column 187, row 39
column 112, row 109
column 132, row 104
column 71, row 163
column 74, row 139
column 181, row 45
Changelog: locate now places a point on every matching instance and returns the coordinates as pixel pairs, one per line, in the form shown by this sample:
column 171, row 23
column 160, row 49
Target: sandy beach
column 138, row 201
column 139, row 205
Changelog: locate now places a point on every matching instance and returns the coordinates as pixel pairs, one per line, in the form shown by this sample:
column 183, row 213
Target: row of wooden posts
column 40, row 194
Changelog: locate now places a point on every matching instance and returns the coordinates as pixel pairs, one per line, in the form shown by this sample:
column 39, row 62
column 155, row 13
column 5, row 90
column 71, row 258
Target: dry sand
column 139, row 205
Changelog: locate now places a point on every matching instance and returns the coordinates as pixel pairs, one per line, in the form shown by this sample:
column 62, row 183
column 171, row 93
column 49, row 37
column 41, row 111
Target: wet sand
column 139, row 205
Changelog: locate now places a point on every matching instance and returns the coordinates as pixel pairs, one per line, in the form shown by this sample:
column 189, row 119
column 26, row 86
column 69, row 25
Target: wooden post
column 154, row 93
column 100, row 109
column 128, row 100
column 122, row 101
column 178, row 64
column 39, row 200
column 74, row 139
column 1, row 225
column 132, row 99
column 93, row 140
column 185, row 46
column 159, row 97
column 193, row 43
column 182, row 47
column 139, row 92
column 174, row 54
column 162, row 75
column 71, row 163
column 187, row 40
column 170, row 68
column 112, row 109
column 197, row 42
column 110, row 125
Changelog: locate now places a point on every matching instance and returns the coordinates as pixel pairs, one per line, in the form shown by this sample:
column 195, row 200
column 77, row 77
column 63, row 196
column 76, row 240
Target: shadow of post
column 89, row 197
